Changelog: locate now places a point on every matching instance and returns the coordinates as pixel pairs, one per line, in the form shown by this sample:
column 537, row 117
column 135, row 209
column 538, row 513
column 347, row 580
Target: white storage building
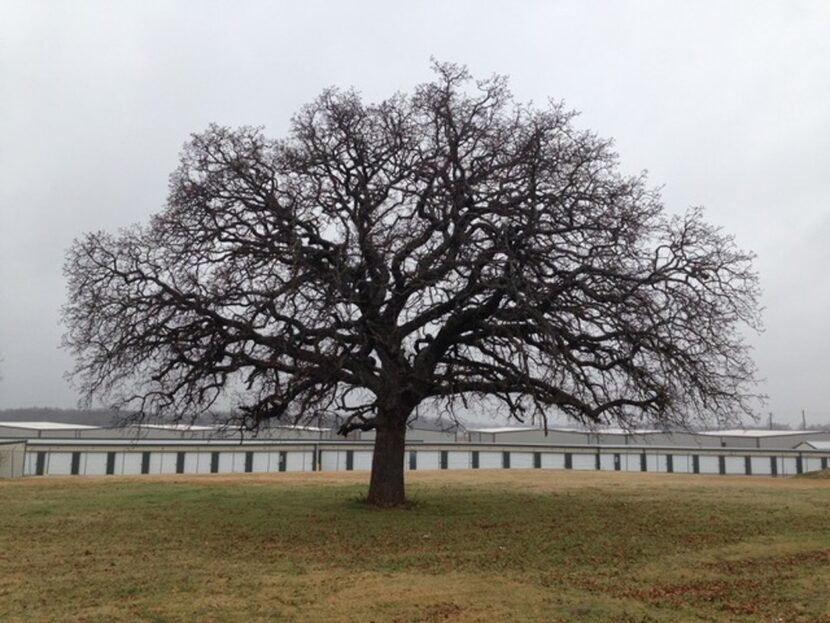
column 760, row 438
column 527, row 434
column 419, row 434
column 44, row 430
column 824, row 446
column 102, row 457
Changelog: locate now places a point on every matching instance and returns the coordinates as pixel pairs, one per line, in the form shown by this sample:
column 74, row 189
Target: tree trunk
column 386, row 486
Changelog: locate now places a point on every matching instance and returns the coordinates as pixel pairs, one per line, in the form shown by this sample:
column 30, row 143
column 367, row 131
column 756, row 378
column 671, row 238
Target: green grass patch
column 485, row 546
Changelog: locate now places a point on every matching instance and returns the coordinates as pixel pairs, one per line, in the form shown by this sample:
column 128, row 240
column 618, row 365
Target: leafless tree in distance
column 435, row 247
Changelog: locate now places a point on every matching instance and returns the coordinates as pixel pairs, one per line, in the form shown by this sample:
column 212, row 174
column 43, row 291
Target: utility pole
column 770, row 420
column 803, row 420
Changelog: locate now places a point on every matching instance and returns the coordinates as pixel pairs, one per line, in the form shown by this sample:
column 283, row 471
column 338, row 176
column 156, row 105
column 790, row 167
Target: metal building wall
column 459, row 460
column 554, row 437
column 553, row 460
column 10, row 432
column 99, row 458
column 791, row 441
column 12, row 460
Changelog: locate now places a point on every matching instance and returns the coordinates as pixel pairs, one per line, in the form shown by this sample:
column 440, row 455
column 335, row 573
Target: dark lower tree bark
column 386, row 487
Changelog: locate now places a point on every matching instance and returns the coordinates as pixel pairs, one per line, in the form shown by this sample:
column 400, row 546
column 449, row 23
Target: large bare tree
column 440, row 246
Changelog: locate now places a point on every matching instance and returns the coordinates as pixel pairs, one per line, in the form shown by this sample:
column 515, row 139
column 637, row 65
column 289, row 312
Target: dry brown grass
column 478, row 546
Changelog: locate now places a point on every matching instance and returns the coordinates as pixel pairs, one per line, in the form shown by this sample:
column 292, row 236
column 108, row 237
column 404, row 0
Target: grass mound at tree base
column 822, row 474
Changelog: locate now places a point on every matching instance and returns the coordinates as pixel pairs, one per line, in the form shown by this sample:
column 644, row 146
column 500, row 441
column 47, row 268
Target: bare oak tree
column 435, row 247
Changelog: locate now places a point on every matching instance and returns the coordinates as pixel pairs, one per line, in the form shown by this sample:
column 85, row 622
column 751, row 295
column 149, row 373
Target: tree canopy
column 440, row 246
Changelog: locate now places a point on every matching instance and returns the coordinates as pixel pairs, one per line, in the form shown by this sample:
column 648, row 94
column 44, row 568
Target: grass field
column 486, row 546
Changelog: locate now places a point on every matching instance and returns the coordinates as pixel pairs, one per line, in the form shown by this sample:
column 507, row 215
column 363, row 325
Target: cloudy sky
column 727, row 104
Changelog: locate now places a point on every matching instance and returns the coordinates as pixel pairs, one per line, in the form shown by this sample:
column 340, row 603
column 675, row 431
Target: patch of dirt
column 779, row 563
column 442, row 611
column 714, row 591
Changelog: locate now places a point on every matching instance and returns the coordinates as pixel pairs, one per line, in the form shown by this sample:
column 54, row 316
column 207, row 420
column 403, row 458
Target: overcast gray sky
column 727, row 104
